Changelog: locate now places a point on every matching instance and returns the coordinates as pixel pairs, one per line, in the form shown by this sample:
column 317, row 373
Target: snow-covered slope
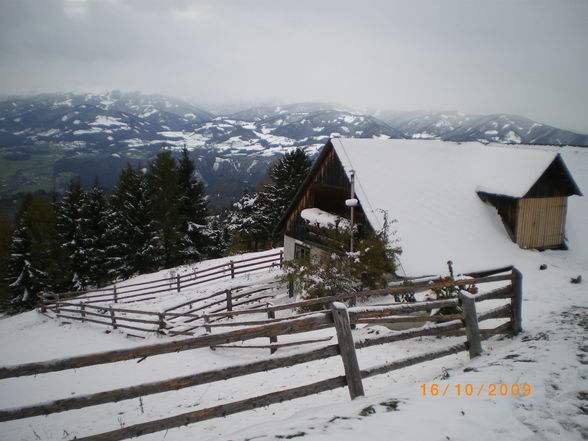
column 550, row 356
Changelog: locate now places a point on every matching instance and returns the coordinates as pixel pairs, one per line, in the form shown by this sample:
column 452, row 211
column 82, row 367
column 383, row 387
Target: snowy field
column 550, row 355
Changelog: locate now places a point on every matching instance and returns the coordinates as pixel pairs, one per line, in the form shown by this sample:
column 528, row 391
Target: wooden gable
column 326, row 187
column 556, row 181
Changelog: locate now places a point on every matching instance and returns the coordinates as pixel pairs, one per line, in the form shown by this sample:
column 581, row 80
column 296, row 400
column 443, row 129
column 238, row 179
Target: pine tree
column 94, row 231
column 34, row 263
column 219, row 237
column 248, row 222
column 286, row 175
column 5, row 239
column 130, row 235
column 163, row 185
column 255, row 217
column 192, row 209
column 70, row 226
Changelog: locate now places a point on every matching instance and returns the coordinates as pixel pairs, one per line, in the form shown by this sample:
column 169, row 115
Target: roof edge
column 569, row 174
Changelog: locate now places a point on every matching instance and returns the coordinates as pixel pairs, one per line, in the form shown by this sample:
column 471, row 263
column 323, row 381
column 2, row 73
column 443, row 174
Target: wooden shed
column 537, row 219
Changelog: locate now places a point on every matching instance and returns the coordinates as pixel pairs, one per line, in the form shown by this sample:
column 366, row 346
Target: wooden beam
column 468, row 304
column 517, row 301
column 272, row 315
column 506, row 292
column 305, row 324
column 217, row 411
column 411, row 333
column 347, row 349
column 127, row 393
column 410, row 361
column 503, row 311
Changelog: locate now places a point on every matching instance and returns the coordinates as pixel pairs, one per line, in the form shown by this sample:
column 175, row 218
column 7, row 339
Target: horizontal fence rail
column 339, row 317
column 175, row 283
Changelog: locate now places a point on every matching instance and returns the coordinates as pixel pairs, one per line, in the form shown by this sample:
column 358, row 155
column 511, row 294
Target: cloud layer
column 528, row 57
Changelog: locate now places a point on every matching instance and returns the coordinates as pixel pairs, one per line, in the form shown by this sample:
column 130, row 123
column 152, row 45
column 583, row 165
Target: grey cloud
column 485, row 56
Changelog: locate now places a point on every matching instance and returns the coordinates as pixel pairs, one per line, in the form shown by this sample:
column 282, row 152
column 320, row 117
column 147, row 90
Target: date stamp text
column 475, row 390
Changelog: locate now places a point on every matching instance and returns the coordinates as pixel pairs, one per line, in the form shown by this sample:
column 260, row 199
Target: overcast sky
column 527, row 57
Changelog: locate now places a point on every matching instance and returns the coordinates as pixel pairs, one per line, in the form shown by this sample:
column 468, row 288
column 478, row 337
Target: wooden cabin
column 450, row 200
column 537, row 219
column 327, row 187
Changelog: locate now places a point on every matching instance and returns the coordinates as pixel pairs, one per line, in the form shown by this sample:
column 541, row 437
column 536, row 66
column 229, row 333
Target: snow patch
column 512, row 138
column 49, row 132
column 323, row 219
column 108, row 121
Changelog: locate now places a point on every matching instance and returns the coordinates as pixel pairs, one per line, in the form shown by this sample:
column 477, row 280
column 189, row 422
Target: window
column 301, row 252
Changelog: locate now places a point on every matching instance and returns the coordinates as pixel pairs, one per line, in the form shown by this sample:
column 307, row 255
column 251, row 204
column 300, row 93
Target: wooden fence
column 338, row 317
column 203, row 314
column 129, row 293
column 219, row 309
column 176, row 320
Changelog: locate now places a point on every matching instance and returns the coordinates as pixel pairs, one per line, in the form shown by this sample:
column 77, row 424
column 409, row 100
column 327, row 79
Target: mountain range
column 46, row 140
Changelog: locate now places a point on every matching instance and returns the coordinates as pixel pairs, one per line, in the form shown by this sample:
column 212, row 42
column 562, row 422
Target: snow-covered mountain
column 462, row 127
column 121, row 121
column 49, row 138
column 95, row 135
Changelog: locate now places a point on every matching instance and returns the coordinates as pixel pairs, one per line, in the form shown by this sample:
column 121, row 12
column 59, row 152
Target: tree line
column 154, row 218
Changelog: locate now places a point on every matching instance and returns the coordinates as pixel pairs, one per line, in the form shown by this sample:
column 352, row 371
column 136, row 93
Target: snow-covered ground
column 551, row 356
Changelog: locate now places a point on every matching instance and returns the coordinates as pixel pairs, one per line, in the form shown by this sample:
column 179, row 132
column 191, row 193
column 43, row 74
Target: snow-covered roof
column 430, row 188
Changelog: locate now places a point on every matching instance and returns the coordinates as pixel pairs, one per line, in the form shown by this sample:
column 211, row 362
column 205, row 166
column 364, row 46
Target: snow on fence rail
column 338, row 317
column 146, row 290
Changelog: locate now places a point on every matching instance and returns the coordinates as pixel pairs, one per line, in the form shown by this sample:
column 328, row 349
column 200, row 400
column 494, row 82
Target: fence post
column 274, row 339
column 42, row 298
column 347, row 349
column 207, row 327
column 232, row 269
column 290, row 288
column 57, row 303
column 114, row 295
column 161, row 323
column 229, row 300
column 178, row 281
column 113, row 319
column 281, row 259
column 516, row 302
column 470, row 319
column 83, row 311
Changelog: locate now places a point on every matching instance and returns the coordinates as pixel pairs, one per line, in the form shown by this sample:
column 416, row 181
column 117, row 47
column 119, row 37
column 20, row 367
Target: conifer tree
column 248, row 222
column 34, row 263
column 286, row 175
column 255, row 217
column 192, row 209
column 70, row 225
column 219, row 236
column 163, row 185
column 131, row 243
column 94, row 231
column 5, row 239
